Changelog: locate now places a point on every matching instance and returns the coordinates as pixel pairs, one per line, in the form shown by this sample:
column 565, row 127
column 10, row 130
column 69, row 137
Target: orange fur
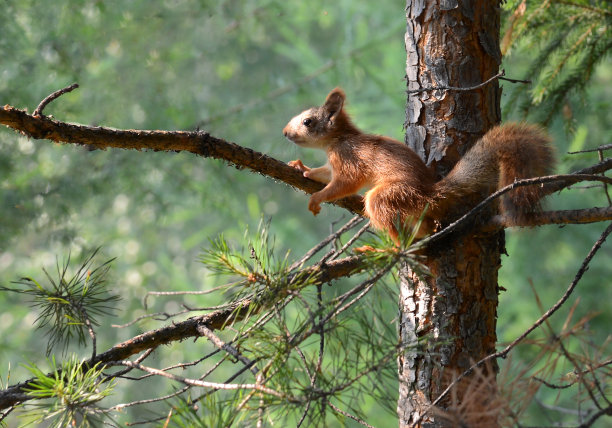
column 402, row 186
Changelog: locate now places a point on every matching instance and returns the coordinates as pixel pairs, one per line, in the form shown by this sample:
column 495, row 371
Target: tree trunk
column 450, row 43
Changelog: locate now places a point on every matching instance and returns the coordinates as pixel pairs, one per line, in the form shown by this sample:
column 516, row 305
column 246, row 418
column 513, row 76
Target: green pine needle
column 71, row 393
column 67, row 303
column 564, row 60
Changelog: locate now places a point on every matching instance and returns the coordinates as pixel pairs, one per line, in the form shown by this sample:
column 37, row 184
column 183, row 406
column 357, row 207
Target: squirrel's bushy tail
column 504, row 154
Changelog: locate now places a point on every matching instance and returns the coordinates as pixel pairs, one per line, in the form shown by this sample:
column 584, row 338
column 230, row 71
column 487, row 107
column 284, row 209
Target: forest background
column 238, row 70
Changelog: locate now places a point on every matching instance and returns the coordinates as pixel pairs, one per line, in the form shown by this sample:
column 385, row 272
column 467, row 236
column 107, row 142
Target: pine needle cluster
column 72, row 391
column 564, row 60
column 68, row 305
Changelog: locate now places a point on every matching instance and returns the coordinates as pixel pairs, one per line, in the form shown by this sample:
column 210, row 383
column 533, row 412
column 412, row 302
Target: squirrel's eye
column 307, row 122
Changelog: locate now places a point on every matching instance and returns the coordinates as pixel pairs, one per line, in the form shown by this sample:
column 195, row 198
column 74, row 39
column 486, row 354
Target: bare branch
column 598, row 168
column 596, row 149
column 526, row 82
column 588, row 215
column 551, row 184
column 348, row 415
column 348, row 226
column 199, row 143
column 597, row 415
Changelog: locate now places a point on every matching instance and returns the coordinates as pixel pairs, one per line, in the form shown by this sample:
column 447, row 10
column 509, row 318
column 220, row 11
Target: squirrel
column 401, row 185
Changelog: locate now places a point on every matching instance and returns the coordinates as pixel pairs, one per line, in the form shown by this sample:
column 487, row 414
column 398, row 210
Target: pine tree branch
column 192, row 327
column 588, row 215
column 205, row 145
column 199, row 143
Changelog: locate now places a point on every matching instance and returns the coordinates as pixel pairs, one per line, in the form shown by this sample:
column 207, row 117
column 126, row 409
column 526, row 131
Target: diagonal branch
column 192, row 327
column 199, row 143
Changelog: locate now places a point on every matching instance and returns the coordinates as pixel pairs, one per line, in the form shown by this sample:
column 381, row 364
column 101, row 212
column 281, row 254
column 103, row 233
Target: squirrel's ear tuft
column 334, row 102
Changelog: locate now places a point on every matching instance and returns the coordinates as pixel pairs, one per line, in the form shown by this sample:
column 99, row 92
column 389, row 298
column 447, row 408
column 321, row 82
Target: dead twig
column 49, row 98
column 499, row 75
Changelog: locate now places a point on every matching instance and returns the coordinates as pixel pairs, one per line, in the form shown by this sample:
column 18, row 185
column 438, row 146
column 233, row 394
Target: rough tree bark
column 448, row 43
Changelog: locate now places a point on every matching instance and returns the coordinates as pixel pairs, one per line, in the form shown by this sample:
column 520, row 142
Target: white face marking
column 303, row 135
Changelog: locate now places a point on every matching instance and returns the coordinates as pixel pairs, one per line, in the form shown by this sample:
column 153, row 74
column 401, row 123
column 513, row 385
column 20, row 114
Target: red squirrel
column 401, row 185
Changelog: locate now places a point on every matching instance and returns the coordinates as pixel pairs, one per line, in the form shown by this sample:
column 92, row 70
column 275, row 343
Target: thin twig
column 186, row 388
column 90, row 329
column 605, row 186
column 455, row 88
column 151, row 400
column 182, row 293
column 6, row 412
column 313, row 377
column 348, row 226
column 596, row 149
column 204, row 384
column 583, row 380
column 552, row 385
column 139, row 360
column 205, row 331
column 526, row 82
column 334, row 254
column 348, row 415
column 49, row 98
column 599, row 414
column 361, row 290
column 163, row 316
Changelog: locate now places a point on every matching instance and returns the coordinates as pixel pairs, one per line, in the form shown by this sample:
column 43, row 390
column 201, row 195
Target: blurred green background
column 239, row 70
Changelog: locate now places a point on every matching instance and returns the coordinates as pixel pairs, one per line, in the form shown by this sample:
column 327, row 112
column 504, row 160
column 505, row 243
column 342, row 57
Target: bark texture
column 453, row 312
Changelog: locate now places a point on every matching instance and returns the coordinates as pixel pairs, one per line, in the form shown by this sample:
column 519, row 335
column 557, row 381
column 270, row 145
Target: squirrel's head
column 312, row 127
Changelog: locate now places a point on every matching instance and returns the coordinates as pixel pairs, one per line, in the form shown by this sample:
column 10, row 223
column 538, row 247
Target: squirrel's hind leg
column 383, row 208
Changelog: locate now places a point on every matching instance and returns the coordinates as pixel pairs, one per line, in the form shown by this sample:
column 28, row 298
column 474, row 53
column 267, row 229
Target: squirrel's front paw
column 297, row 164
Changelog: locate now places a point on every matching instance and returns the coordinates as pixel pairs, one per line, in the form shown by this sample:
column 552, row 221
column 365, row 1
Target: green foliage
column 69, row 305
column 240, row 70
column 304, row 342
column 185, row 414
column 256, row 262
column 74, row 392
column 570, row 39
